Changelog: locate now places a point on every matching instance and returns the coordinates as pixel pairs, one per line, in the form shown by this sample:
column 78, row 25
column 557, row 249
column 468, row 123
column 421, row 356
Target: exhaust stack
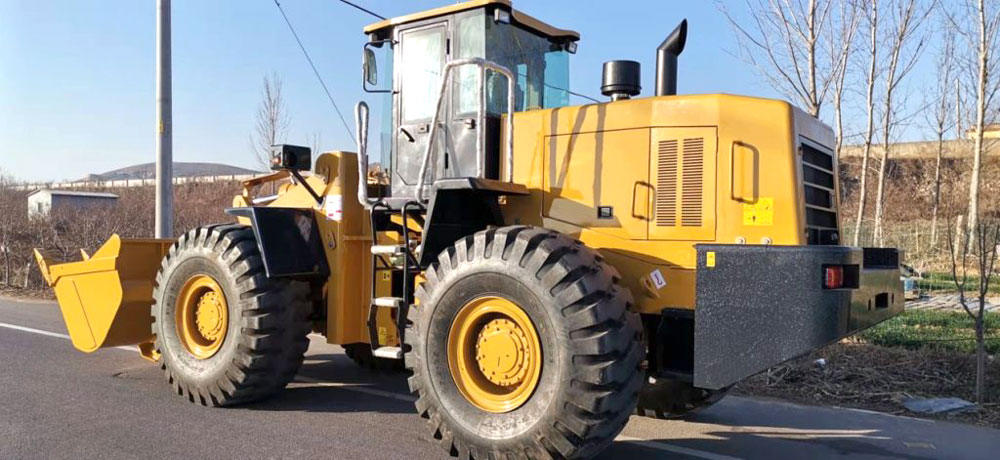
column 666, row 60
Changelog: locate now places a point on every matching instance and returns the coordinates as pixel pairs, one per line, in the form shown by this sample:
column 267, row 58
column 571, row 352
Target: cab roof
column 518, row 17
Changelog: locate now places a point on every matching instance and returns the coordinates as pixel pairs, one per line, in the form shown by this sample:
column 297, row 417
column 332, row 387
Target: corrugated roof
column 75, row 193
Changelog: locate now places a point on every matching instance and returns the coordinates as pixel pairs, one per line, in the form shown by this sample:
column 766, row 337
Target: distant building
column 928, row 149
column 42, row 202
column 990, row 131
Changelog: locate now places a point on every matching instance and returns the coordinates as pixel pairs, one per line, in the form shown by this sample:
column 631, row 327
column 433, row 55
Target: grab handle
column 755, row 160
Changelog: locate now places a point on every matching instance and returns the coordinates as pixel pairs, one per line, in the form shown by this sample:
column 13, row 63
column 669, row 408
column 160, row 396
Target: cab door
column 423, row 50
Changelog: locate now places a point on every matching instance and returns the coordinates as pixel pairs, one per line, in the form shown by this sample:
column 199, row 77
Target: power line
column 350, row 134
column 364, row 9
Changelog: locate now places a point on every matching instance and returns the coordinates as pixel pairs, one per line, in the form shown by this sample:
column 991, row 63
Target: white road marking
column 55, row 334
column 354, row 387
column 657, row 445
column 675, row 449
column 33, row 330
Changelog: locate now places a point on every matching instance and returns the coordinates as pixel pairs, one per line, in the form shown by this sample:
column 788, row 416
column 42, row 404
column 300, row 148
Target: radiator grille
column 666, row 184
column 819, row 194
column 694, row 165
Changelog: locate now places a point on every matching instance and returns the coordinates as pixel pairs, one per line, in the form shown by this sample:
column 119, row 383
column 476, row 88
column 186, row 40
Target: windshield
column 540, row 67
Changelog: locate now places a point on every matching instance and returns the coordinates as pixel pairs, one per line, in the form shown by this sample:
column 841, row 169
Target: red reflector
column 834, row 277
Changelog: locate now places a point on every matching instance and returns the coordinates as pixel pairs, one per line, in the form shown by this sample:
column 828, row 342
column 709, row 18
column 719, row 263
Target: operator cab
column 406, row 60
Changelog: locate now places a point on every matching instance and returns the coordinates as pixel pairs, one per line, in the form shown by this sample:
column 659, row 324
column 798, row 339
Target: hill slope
column 181, row 169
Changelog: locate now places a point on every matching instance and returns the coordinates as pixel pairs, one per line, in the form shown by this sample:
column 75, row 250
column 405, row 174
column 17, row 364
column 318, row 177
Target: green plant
column 950, row 331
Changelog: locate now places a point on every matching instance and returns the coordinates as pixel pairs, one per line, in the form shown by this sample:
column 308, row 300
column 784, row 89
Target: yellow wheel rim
column 494, row 354
column 202, row 316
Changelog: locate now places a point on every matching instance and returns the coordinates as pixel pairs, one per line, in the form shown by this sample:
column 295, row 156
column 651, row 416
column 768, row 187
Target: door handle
column 643, row 210
column 406, row 133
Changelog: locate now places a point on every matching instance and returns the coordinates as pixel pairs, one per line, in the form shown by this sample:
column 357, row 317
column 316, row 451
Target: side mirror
column 290, row 157
column 370, row 68
column 373, row 53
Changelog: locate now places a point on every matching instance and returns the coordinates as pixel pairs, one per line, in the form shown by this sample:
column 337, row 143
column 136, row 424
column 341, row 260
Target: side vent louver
column 687, row 168
column 666, row 184
column 694, row 164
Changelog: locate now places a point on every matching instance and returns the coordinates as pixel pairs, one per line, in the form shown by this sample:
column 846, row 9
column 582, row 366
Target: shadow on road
column 768, row 429
column 761, row 429
column 339, row 392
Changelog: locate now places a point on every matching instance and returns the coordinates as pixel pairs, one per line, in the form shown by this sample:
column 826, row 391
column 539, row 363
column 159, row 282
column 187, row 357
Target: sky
column 77, row 77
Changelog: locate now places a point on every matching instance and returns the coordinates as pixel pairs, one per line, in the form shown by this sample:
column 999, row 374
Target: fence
column 926, row 252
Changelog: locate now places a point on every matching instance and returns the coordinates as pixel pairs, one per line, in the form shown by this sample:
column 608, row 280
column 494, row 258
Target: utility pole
column 164, row 125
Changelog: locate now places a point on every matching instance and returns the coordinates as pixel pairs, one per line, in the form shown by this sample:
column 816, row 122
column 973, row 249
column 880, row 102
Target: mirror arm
column 302, row 180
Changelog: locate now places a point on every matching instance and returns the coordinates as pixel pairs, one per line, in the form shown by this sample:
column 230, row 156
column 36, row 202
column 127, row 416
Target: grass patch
column 940, row 330
column 941, row 281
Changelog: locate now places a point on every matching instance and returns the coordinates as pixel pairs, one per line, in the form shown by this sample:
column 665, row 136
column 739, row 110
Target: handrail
column 361, row 125
column 483, row 65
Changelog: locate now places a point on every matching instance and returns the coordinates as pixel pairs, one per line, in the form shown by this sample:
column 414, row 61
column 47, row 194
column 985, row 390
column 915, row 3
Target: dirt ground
column 880, row 378
column 30, row 293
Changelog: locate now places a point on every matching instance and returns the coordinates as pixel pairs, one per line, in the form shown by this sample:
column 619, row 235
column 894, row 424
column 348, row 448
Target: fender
column 288, row 239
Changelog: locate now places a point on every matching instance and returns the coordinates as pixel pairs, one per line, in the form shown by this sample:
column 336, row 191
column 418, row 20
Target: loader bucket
column 105, row 298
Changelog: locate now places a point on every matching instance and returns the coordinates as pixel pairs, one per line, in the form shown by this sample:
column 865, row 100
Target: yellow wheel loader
column 543, row 270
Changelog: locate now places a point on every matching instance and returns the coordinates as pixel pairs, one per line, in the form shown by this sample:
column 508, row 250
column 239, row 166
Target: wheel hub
column 501, row 352
column 202, row 316
column 208, row 316
column 494, row 354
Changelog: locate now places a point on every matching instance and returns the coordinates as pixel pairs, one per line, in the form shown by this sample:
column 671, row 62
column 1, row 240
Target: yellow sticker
column 710, row 259
column 760, row 213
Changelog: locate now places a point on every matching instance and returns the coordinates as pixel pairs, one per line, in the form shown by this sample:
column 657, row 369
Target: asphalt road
column 56, row 402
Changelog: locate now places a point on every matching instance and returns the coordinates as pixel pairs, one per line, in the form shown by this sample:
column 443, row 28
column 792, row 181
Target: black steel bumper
column 758, row 306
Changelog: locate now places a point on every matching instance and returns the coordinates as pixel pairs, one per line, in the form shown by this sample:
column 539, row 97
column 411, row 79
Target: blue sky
column 76, row 77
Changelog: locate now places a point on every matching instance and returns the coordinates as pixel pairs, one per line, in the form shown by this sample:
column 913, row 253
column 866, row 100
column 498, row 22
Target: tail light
column 833, row 277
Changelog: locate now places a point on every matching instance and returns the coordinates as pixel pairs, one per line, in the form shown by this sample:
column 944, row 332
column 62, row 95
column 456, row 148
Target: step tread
column 388, row 302
column 388, row 352
column 387, row 249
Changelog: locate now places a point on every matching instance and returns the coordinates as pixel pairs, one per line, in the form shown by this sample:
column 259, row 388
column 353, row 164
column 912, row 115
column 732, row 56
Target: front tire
column 535, row 285
column 226, row 333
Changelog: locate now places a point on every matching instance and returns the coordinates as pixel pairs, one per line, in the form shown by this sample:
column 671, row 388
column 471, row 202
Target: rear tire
column 591, row 349
column 266, row 325
column 669, row 399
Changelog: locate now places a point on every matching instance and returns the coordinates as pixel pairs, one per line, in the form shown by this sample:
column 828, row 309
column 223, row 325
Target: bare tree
column 782, row 42
column 840, row 43
column 7, row 203
column 986, row 236
column 987, row 21
column 316, row 143
column 272, row 119
column 871, row 74
column 940, row 121
column 904, row 20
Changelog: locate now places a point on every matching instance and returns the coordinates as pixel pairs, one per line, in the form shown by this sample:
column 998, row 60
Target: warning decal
column 760, row 213
column 333, row 207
